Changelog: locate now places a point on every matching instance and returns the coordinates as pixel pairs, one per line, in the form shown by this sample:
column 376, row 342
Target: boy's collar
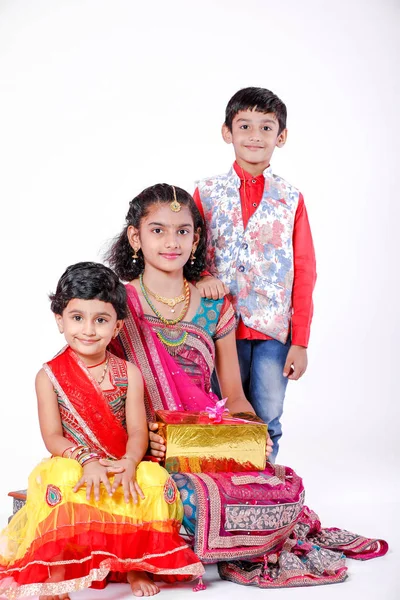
column 244, row 175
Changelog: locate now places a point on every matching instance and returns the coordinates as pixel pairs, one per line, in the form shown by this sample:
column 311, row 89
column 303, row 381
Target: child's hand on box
column 157, row 444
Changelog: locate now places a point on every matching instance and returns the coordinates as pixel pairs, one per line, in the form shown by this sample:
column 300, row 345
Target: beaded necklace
column 169, row 336
column 173, row 343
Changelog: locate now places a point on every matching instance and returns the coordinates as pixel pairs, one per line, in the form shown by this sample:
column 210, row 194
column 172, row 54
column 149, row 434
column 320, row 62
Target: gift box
column 198, row 442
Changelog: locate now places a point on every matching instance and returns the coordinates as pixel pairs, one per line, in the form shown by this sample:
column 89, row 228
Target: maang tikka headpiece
column 175, row 205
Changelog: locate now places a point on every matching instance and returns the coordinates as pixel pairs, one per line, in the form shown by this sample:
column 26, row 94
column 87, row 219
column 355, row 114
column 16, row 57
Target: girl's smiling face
column 88, row 327
column 165, row 237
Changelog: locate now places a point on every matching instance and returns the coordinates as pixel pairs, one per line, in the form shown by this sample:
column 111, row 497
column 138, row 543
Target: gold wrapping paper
column 196, row 444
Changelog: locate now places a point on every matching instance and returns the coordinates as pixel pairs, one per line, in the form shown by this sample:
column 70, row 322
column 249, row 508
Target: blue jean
column 261, row 367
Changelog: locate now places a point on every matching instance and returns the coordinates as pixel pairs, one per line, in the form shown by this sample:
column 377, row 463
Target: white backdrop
column 100, row 99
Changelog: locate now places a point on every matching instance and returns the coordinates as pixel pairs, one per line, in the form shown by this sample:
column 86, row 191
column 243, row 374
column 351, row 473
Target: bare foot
column 57, row 574
column 141, row 584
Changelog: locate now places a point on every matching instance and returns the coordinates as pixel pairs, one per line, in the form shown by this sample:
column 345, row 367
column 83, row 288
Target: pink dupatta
column 167, row 386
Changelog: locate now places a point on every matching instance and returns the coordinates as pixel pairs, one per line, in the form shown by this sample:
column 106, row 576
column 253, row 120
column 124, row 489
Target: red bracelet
column 71, row 450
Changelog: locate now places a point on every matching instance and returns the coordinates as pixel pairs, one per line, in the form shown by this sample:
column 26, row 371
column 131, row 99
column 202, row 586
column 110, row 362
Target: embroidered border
column 73, row 585
column 195, row 342
column 210, row 546
column 245, row 479
column 242, row 517
column 127, row 334
column 293, row 578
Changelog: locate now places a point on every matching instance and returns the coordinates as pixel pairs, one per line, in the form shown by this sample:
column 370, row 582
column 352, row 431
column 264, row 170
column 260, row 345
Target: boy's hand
column 157, row 443
column 211, row 287
column 296, row 362
column 93, row 475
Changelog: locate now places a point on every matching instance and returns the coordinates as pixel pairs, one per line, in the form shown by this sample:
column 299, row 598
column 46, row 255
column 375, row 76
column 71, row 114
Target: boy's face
column 88, row 327
column 254, row 137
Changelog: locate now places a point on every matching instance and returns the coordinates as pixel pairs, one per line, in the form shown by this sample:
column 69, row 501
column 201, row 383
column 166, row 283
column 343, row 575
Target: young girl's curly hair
column 88, row 281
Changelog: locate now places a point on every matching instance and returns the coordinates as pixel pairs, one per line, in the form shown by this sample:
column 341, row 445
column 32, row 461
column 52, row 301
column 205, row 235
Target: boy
column 260, row 247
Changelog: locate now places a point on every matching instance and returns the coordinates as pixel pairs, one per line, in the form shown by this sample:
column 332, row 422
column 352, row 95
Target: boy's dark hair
column 89, row 281
column 261, row 100
column 119, row 256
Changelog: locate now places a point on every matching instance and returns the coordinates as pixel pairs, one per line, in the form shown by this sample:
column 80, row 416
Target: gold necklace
column 171, row 302
column 157, row 313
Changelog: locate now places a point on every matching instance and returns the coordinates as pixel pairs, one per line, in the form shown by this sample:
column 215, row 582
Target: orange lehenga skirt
column 60, row 542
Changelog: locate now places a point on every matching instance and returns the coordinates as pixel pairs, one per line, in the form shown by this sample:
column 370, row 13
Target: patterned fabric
column 217, row 496
column 254, row 522
column 170, row 491
column 256, row 263
column 53, row 495
column 188, row 497
column 82, row 406
column 259, row 518
column 308, row 556
column 175, row 378
column 115, row 397
column 216, row 317
column 61, row 541
column 213, row 320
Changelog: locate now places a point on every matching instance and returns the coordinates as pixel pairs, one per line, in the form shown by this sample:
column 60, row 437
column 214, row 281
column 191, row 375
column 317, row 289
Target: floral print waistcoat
column 256, row 263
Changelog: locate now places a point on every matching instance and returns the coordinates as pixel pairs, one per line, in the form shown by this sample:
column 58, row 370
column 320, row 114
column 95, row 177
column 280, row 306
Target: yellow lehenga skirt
column 61, row 542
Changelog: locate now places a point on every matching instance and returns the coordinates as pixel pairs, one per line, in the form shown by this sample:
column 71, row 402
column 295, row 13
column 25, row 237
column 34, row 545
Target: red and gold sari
column 59, row 541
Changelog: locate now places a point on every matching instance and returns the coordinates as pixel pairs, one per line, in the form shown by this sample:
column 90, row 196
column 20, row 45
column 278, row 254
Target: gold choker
column 171, row 302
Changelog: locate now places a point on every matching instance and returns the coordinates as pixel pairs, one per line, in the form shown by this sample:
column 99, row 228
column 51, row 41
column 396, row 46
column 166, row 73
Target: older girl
column 176, row 338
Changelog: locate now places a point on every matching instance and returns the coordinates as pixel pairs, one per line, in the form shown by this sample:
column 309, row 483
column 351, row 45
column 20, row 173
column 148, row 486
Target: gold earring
column 193, row 257
column 134, row 255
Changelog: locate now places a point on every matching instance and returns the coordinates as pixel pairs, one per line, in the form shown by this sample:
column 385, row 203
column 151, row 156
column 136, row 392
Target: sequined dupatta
column 167, row 386
column 83, row 398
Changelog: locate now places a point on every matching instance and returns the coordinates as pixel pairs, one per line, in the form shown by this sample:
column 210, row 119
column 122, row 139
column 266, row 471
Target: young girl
column 176, row 338
column 86, row 516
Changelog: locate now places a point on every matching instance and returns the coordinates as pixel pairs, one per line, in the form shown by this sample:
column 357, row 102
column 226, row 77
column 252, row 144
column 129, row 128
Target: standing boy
column 260, row 247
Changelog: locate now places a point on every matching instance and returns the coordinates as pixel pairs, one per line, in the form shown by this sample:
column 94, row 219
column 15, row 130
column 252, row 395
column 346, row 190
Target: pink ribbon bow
column 217, row 412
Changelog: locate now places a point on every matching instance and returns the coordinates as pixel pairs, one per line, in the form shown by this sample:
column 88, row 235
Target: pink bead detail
column 199, row 587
